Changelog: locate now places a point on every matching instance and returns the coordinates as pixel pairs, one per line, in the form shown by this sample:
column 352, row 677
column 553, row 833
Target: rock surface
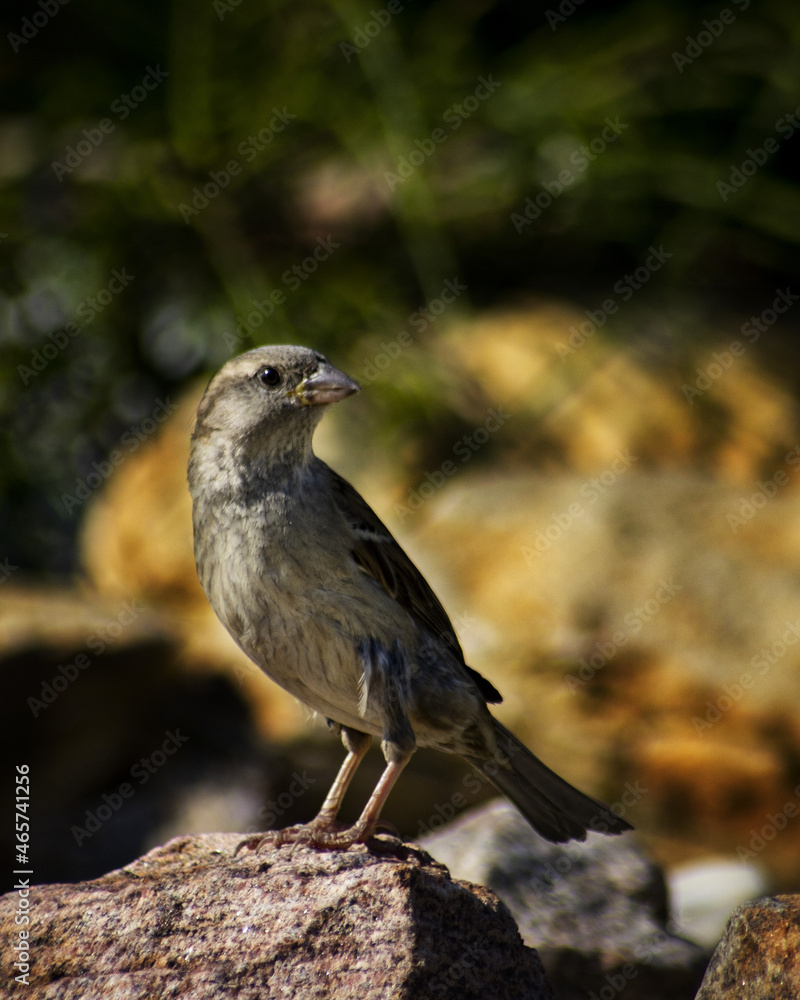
column 758, row 957
column 596, row 912
column 190, row 919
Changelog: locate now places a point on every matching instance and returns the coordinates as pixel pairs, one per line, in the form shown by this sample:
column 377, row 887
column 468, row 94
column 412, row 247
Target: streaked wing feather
column 381, row 557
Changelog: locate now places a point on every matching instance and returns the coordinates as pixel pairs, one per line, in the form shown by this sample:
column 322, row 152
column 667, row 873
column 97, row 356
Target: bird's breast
column 288, row 604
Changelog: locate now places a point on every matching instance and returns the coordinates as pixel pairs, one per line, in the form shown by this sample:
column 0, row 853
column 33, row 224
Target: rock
column 596, row 912
column 758, row 957
column 636, row 636
column 59, row 621
column 136, row 536
column 190, row 919
column 577, row 399
column 704, row 894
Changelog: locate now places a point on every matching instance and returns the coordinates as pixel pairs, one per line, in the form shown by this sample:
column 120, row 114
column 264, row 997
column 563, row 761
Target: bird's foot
column 321, row 833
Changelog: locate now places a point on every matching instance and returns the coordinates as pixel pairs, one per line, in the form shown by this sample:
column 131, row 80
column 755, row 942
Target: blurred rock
column 91, row 687
column 704, row 894
column 638, row 642
column 137, row 537
column 758, row 957
column 596, row 911
column 62, row 619
column 191, row 920
column 578, row 398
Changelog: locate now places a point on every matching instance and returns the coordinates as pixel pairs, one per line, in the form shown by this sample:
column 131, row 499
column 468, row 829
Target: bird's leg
column 398, row 752
column 364, row 827
column 388, row 686
column 357, row 744
column 324, row 831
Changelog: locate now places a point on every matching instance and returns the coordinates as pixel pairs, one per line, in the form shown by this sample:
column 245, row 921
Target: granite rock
column 758, row 957
column 193, row 919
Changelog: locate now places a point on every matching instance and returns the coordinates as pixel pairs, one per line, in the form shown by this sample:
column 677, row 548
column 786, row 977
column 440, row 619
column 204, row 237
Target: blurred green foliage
column 209, row 149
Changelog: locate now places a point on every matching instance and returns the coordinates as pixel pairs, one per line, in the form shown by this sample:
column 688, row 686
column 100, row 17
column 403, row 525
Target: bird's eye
column 270, row 377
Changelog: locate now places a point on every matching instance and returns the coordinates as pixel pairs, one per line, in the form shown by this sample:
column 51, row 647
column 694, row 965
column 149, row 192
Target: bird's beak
column 326, row 385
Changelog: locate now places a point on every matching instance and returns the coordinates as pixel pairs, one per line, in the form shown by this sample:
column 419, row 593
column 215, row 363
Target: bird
column 316, row 591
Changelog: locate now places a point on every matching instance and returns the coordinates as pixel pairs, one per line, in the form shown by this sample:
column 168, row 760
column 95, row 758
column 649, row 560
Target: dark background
column 356, row 116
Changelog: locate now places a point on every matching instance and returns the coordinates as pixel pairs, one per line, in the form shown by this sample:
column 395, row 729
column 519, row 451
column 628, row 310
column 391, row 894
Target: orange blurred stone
column 137, row 536
column 578, row 406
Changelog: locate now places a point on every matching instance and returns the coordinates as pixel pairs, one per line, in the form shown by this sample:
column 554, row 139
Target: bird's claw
column 314, row 834
column 325, row 834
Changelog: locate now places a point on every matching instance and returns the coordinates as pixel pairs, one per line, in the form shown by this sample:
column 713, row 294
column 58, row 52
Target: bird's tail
column 551, row 805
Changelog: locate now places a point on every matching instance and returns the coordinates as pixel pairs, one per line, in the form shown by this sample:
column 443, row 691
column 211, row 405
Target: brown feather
column 379, row 555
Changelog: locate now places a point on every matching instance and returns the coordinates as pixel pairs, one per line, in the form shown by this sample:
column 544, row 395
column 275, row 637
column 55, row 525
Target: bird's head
column 267, row 402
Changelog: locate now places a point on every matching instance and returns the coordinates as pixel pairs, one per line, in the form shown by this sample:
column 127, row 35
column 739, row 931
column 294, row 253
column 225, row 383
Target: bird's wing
column 379, row 556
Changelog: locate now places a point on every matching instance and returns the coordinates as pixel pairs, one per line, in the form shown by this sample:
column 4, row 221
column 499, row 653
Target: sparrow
column 315, row 590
